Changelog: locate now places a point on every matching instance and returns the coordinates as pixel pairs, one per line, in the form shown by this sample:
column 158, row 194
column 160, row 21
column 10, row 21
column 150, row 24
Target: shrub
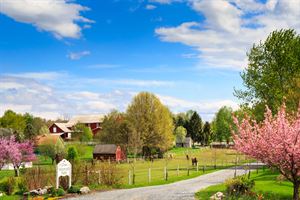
column 238, row 186
column 8, row 186
column 74, row 189
column 72, row 154
column 37, row 177
column 110, row 174
column 22, row 187
column 60, row 192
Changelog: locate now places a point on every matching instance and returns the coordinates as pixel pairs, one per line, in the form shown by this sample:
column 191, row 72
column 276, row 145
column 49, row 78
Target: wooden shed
column 107, row 152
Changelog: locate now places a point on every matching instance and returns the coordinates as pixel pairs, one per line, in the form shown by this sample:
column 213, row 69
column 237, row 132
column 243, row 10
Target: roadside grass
column 265, row 184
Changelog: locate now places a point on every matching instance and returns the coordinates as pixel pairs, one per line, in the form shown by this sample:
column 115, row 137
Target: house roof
column 64, row 127
column 85, row 119
column 48, row 139
column 105, row 149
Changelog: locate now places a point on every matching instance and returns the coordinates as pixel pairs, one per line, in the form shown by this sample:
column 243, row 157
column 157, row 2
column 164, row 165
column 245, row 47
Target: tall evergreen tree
column 194, row 128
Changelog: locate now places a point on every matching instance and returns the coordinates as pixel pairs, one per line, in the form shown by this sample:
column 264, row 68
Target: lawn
column 265, row 184
column 178, row 168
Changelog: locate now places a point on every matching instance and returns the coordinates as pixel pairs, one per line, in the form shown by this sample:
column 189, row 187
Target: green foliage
column 60, row 192
column 15, row 121
column 8, row 186
column 222, row 124
column 238, row 186
column 72, row 153
column 151, row 122
column 52, row 150
column 180, row 133
column 30, row 131
column 22, row 187
column 74, row 189
column 82, row 133
column 273, row 73
column 194, row 128
column 115, row 129
column 56, row 192
column 207, row 134
column 44, row 130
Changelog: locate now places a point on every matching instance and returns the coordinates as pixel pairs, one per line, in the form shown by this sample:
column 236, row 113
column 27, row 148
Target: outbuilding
column 108, row 152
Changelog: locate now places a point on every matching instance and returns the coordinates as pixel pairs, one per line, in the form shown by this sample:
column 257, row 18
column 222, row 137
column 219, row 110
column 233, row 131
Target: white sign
column 63, row 168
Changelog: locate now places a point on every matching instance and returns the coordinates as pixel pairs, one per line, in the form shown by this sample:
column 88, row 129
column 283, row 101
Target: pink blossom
column 15, row 152
column 275, row 142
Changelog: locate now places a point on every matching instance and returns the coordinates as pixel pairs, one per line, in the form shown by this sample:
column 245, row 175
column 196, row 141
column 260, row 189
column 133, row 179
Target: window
column 54, row 129
column 97, row 125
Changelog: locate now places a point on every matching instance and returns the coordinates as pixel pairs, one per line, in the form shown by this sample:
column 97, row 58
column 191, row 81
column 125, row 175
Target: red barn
column 65, row 129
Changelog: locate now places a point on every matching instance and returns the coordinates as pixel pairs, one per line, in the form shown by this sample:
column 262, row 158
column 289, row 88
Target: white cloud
column 39, row 75
column 150, row 7
column 59, row 17
column 163, row 1
column 78, row 55
column 229, row 31
column 41, row 99
column 206, row 109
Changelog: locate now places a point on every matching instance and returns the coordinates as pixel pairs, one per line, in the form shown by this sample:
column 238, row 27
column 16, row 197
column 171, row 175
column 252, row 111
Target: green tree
column 207, row 135
column 180, row 133
column 82, row 133
column 222, row 124
column 15, row 121
column 272, row 74
column 151, row 122
column 115, row 129
column 86, row 135
column 30, row 131
column 44, row 130
column 52, row 150
column 194, row 128
column 72, row 154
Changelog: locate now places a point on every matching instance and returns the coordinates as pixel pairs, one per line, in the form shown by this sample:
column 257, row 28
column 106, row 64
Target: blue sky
column 60, row 58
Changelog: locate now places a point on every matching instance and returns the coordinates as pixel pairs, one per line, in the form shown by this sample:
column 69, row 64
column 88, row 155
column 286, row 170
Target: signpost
column 63, row 168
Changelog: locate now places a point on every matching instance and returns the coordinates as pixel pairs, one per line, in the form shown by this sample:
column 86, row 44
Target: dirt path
column 182, row 190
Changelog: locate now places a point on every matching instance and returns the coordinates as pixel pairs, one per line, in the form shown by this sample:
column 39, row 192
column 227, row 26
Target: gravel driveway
column 182, row 190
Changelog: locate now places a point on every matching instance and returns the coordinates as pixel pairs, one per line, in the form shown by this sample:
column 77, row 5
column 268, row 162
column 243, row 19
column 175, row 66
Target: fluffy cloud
column 40, row 98
column 229, row 31
column 206, row 109
column 150, row 7
column 78, row 55
column 59, row 17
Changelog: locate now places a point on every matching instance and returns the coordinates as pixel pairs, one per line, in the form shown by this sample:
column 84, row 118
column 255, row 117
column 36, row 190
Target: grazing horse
column 194, row 161
column 187, row 157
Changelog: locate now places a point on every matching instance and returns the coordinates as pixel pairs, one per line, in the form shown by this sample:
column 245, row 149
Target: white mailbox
column 63, row 168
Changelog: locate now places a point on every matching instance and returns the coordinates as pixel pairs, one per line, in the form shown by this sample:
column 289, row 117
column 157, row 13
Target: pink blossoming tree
column 15, row 152
column 275, row 142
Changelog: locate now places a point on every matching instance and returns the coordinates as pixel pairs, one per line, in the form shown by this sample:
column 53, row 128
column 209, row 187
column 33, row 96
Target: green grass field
column 265, row 184
column 178, row 168
column 206, row 157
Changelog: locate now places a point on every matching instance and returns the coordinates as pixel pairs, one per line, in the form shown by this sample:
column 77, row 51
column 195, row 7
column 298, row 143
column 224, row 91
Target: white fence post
column 99, row 177
column 129, row 177
column 149, row 175
column 197, row 167
column 165, row 172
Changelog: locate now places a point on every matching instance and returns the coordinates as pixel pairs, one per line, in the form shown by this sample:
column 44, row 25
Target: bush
column 37, row 177
column 74, row 189
column 238, row 186
column 22, row 187
column 8, row 186
column 72, row 154
column 60, row 192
